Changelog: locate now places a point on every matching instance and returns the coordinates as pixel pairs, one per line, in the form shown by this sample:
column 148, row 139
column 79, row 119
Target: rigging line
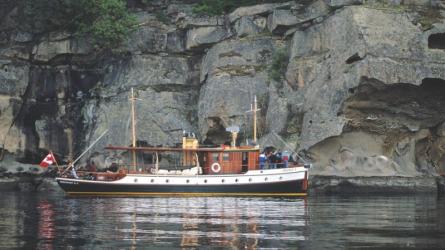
column 80, row 156
column 289, row 147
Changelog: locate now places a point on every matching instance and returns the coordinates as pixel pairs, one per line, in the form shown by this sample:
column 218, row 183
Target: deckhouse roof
column 168, row 149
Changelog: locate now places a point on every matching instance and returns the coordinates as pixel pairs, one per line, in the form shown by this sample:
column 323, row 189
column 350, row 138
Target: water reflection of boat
column 221, row 170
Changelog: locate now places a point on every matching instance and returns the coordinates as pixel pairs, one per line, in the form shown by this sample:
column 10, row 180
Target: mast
column 254, row 118
column 254, row 108
column 133, row 127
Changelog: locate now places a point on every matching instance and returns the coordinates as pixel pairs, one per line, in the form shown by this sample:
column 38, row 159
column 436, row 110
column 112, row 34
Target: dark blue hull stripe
column 294, row 186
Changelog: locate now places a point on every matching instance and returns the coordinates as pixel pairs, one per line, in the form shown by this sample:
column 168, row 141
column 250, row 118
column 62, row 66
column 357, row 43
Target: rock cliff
column 360, row 90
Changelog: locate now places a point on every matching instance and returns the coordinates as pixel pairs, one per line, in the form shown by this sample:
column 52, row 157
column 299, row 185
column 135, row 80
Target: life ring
column 216, row 167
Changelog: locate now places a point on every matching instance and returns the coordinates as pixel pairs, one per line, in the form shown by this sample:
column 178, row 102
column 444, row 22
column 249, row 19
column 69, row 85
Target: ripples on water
column 39, row 221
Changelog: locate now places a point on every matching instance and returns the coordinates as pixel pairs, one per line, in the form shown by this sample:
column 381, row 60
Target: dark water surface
column 49, row 221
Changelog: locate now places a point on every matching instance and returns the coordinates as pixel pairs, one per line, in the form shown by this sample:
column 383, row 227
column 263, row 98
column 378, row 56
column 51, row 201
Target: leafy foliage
column 106, row 22
column 280, row 60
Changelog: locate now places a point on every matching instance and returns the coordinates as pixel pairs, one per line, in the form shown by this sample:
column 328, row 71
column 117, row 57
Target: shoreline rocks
column 29, row 183
column 377, row 185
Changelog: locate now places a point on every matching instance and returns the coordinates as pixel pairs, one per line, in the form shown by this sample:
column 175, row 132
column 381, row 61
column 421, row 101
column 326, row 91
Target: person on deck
column 262, row 160
column 73, row 173
column 278, row 159
column 285, row 159
column 271, row 160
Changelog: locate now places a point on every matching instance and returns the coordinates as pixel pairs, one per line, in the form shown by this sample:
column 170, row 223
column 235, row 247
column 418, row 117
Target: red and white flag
column 49, row 160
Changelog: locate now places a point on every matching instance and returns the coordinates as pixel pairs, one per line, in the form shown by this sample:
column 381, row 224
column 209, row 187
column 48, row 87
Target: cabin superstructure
column 231, row 160
column 212, row 161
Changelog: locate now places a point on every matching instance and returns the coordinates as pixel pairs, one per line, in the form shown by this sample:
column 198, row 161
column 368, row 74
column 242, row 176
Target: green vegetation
column 219, row 7
column 280, row 60
column 106, row 22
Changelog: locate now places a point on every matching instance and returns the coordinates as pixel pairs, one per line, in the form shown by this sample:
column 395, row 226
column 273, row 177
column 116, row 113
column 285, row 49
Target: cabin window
column 166, row 180
column 265, row 179
column 225, row 156
column 250, row 179
column 152, row 180
column 281, row 177
column 222, row 180
column 188, row 181
column 215, row 157
column 205, row 181
column 236, row 180
column 135, row 180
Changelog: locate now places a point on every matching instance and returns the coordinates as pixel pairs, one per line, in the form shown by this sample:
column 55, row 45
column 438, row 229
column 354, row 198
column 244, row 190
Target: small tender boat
column 223, row 170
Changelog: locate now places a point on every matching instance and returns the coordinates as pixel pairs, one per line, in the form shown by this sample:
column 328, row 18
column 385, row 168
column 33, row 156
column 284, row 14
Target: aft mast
column 254, row 108
column 133, row 128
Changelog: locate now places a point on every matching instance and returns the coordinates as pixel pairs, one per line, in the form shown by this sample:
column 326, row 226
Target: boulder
column 280, row 20
column 360, row 154
column 205, row 36
column 260, row 9
column 195, row 22
column 341, row 3
column 248, row 26
column 60, row 44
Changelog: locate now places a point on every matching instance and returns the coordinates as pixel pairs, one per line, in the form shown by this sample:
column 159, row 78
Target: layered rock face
column 362, row 95
column 372, row 94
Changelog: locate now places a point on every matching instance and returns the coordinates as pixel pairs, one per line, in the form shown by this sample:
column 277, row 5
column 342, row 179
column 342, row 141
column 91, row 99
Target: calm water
column 49, row 221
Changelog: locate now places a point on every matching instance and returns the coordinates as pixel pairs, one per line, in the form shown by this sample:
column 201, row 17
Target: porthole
column 152, row 180
column 265, row 179
column 205, row 181
column 236, row 180
column 135, row 180
column 250, row 179
column 222, row 180
column 261, row 171
column 166, row 180
column 281, row 177
column 188, row 181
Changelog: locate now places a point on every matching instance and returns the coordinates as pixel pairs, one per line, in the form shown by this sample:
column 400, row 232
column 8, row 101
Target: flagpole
column 57, row 164
column 51, row 152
